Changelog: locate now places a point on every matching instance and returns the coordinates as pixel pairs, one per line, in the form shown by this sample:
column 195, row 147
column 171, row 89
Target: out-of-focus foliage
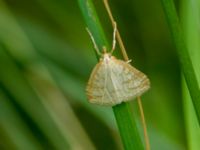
column 190, row 18
column 46, row 58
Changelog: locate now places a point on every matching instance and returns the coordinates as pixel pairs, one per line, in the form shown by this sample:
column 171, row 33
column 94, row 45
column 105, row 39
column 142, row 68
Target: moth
column 114, row 81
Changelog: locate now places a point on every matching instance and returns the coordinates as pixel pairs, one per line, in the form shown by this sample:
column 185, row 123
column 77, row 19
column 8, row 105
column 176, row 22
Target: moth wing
column 129, row 82
column 114, row 82
column 99, row 87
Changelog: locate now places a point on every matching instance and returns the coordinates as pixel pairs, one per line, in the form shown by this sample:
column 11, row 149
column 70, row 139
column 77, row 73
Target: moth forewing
column 113, row 81
column 134, row 82
column 97, row 85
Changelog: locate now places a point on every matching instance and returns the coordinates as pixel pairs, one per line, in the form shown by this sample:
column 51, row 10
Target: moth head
column 105, row 56
column 104, row 50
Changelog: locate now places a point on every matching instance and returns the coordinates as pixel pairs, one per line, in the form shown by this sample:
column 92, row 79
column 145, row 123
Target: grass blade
column 125, row 120
column 183, row 54
column 14, row 82
column 127, row 127
column 18, row 135
column 59, row 108
column 190, row 20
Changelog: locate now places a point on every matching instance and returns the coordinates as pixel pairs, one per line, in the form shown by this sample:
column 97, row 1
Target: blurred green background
column 46, row 57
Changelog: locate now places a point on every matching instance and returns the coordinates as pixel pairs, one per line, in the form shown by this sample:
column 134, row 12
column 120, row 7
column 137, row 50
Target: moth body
column 114, row 81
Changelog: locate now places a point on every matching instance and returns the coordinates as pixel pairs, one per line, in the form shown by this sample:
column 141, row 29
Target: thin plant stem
column 146, row 137
column 119, row 39
column 126, row 58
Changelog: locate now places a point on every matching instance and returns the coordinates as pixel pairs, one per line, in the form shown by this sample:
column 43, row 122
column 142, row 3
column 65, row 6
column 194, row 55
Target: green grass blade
column 125, row 120
column 183, row 54
column 190, row 20
column 73, row 133
column 14, row 128
column 191, row 122
column 93, row 22
column 127, row 126
column 15, row 82
column 59, row 108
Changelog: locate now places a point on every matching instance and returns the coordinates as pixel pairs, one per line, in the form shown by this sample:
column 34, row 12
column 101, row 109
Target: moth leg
column 114, row 37
column 93, row 41
column 129, row 61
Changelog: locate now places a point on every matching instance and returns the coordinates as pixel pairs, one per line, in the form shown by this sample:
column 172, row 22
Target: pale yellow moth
column 114, row 81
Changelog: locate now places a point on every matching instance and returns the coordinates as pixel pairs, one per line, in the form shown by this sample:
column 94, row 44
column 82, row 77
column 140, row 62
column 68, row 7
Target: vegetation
column 46, row 57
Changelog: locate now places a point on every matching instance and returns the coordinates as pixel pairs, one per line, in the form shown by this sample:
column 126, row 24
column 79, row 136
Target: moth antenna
column 93, row 41
column 114, row 37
